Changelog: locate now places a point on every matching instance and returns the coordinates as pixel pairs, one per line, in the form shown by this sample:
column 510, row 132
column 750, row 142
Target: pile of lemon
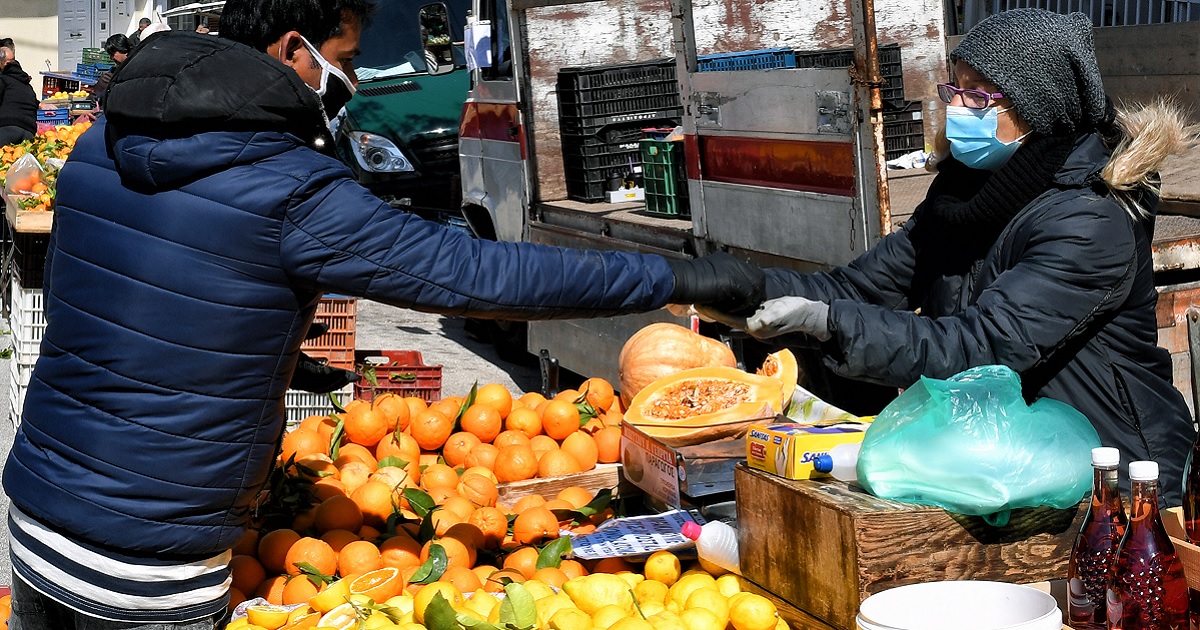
column 75, row 94
column 661, row 597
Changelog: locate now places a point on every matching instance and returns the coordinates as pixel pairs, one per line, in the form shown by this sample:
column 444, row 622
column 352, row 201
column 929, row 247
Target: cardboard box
column 788, row 449
column 825, row 545
column 671, row 475
column 1189, row 554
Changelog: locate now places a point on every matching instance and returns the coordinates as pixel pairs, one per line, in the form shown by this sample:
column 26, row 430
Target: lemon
column 463, row 610
column 425, row 595
column 481, row 602
column 781, row 624
column 402, row 603
column 712, row 600
column 674, row 606
column 662, row 566
column 712, row 569
column 547, row 606
column 538, row 589
column 570, row 619
column 666, row 621
column 302, row 617
column 333, row 596
column 590, row 592
column 728, row 585
column 650, row 591
column 269, row 616
column 753, row 612
column 341, row 617
column 236, row 624
column 701, row 619
column 733, row 599
column 688, row 583
column 649, row 609
column 631, row 578
column 377, row 620
column 606, row 616
column 631, row 623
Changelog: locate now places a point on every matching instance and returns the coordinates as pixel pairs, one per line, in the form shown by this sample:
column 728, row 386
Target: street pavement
column 441, row 340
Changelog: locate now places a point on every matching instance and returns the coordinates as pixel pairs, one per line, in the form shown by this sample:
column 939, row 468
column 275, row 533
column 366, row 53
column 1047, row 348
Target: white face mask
column 334, row 94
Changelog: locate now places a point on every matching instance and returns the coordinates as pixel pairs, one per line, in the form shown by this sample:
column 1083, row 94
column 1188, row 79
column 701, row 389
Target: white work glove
column 792, row 314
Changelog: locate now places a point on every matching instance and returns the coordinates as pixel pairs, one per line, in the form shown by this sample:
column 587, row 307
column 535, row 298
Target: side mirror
column 435, row 38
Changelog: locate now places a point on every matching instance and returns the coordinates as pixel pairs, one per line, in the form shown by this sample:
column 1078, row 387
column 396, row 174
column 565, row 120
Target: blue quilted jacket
column 196, row 231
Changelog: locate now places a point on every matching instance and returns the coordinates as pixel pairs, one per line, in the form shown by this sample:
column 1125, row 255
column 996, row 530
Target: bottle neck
column 1105, row 482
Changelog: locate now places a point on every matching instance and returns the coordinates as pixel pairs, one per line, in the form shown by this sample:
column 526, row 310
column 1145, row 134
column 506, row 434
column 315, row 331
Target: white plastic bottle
column 716, row 542
column 841, row 461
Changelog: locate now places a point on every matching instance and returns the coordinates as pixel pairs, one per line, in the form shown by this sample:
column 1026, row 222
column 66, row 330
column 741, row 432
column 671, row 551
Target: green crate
column 96, row 55
column 665, row 178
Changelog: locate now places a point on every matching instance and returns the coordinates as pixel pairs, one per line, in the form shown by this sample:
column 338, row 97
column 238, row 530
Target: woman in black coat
column 18, row 101
column 1030, row 250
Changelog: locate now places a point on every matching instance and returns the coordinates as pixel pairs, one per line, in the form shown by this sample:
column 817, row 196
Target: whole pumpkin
column 662, row 349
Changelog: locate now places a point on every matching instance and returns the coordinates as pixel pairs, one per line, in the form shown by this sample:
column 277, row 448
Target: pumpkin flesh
column 703, row 404
column 783, row 366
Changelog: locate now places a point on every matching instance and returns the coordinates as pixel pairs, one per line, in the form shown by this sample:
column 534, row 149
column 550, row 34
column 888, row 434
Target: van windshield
column 391, row 41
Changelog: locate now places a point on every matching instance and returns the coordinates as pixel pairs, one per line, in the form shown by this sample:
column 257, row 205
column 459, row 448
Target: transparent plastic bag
column 25, row 187
column 971, row 445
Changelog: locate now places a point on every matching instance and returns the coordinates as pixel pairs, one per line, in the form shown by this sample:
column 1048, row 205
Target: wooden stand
column 601, row 477
column 824, row 546
column 28, row 221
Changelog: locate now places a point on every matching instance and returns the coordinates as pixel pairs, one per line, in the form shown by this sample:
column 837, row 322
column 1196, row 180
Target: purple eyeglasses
column 974, row 99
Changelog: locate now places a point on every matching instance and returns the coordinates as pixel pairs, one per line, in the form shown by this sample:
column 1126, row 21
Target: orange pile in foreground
column 615, row 596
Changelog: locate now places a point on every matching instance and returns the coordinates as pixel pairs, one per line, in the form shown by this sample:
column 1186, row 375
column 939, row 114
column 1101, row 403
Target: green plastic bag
column 971, row 445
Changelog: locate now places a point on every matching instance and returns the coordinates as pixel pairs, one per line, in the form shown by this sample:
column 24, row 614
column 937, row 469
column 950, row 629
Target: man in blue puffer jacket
column 198, row 224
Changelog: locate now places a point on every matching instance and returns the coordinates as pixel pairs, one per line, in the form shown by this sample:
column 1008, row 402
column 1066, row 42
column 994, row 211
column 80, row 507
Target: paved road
column 441, row 340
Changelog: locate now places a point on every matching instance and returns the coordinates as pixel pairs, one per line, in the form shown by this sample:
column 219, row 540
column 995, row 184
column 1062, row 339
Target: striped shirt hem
column 103, row 583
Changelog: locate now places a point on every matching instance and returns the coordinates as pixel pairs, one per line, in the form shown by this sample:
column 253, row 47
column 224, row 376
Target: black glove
column 313, row 376
column 720, row 281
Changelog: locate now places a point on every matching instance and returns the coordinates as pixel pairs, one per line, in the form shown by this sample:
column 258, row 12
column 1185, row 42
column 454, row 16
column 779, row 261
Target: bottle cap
column 823, row 463
column 691, row 530
column 1143, row 471
column 1105, row 456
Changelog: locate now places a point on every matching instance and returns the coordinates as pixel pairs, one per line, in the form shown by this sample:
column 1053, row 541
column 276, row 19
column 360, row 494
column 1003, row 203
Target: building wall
column 33, row 25
column 620, row 31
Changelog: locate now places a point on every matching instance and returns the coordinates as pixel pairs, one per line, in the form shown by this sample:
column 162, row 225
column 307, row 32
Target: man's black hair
column 7, row 42
column 117, row 44
column 144, row 22
column 260, row 23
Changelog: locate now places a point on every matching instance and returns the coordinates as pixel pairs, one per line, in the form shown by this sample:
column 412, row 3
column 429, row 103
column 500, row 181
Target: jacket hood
column 184, row 105
column 14, row 70
column 1084, row 164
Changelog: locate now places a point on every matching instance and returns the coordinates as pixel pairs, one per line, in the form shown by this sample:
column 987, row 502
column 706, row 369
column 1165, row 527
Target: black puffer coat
column 18, row 102
column 1065, row 297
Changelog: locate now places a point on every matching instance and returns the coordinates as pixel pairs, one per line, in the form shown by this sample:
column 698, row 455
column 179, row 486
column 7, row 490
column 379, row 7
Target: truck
column 399, row 134
column 784, row 166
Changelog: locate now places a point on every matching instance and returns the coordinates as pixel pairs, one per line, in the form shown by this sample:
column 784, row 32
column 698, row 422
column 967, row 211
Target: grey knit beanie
column 1045, row 62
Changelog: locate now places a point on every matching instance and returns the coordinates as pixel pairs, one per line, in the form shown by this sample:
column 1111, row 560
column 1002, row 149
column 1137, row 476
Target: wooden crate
column 28, row 221
column 825, row 546
column 601, row 477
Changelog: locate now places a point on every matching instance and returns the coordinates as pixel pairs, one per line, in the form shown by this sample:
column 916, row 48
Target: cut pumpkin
column 782, row 365
column 662, row 349
column 703, row 404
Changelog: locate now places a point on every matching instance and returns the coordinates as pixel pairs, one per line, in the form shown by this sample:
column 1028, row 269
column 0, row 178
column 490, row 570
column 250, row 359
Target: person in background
column 202, row 28
column 220, row 222
column 1030, row 250
column 117, row 47
column 136, row 37
column 18, row 101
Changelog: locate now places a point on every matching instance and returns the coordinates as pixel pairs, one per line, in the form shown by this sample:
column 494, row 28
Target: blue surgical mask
column 972, row 136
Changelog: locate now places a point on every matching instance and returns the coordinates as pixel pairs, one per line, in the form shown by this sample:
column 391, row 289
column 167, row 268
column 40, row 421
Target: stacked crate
column 336, row 346
column 602, row 111
column 665, row 178
column 399, row 372
column 28, row 323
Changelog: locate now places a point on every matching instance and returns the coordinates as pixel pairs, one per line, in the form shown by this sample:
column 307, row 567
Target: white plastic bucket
column 960, row 605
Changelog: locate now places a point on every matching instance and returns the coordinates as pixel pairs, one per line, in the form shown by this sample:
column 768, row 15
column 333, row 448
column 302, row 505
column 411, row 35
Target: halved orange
column 380, row 584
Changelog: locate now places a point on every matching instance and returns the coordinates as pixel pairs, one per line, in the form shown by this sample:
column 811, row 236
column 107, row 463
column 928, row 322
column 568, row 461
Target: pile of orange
column 35, row 189
column 5, row 611
column 377, row 469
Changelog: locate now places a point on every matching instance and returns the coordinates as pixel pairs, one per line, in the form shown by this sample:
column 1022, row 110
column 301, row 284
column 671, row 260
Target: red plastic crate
column 404, row 374
column 337, row 345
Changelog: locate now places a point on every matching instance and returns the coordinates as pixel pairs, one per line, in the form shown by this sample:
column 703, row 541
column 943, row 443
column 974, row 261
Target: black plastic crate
column 628, row 133
column 612, row 75
column 569, row 96
column 29, row 258
column 912, row 110
column 590, row 192
column 581, row 150
column 620, row 106
column 592, row 125
column 903, row 136
column 891, row 69
column 629, row 160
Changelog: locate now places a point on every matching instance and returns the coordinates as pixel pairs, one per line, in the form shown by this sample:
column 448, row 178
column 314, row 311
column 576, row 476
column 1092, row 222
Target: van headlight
column 377, row 154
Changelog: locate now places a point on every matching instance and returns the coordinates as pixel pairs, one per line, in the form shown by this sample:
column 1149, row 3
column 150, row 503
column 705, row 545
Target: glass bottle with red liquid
column 1096, row 545
column 1191, row 521
column 1148, row 590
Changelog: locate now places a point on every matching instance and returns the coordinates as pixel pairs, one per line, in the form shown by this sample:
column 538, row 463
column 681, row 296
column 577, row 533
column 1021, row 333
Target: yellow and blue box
column 788, row 449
